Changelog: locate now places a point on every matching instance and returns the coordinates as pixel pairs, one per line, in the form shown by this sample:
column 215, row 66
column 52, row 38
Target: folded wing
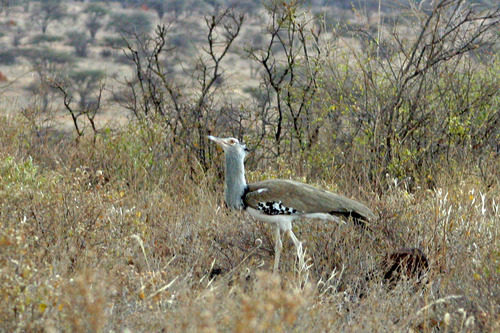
column 305, row 199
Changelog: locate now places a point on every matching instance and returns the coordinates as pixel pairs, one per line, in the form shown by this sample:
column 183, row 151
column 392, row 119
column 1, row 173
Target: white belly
column 283, row 221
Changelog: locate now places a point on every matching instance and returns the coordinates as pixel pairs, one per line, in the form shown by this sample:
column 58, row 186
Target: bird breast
column 275, row 208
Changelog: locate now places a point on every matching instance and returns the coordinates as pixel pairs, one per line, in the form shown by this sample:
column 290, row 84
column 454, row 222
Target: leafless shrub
column 290, row 61
column 89, row 87
column 159, row 96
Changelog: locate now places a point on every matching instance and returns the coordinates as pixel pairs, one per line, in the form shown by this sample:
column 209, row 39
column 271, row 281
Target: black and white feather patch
column 275, row 208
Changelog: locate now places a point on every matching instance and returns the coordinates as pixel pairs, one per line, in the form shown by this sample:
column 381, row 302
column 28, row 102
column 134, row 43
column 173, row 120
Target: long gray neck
column 236, row 184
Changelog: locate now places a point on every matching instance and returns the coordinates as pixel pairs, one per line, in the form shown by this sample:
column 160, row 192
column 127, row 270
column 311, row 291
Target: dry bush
column 108, row 235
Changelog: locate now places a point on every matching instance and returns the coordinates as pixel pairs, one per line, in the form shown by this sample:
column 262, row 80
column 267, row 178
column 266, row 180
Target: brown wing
column 304, row 198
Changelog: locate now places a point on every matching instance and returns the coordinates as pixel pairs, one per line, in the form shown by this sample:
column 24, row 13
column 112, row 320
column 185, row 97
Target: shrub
column 137, row 23
column 44, row 38
column 95, row 18
column 114, row 42
column 8, row 57
column 79, row 41
column 47, row 59
column 106, row 53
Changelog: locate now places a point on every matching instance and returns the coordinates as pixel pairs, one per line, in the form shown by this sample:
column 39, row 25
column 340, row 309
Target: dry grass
column 112, row 237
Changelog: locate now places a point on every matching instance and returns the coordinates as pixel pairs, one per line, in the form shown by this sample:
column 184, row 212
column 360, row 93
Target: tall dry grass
column 113, row 235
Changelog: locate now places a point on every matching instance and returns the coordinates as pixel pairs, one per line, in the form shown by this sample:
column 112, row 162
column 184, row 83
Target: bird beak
column 218, row 141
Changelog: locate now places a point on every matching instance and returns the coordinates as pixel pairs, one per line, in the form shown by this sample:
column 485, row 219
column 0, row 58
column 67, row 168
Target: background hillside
column 111, row 197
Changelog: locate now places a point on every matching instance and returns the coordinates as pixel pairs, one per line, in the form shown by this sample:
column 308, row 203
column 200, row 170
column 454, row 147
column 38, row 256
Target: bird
column 281, row 201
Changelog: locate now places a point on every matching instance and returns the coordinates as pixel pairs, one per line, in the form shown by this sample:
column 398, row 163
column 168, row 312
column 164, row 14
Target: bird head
column 230, row 145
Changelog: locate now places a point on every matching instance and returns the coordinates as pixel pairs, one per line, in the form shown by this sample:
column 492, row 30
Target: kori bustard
column 279, row 201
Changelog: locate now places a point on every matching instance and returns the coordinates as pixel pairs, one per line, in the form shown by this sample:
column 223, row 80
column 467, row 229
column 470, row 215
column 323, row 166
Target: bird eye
column 232, row 141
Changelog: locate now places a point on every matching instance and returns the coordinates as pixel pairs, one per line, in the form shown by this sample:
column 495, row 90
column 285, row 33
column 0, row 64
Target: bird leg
column 277, row 249
column 298, row 246
column 296, row 242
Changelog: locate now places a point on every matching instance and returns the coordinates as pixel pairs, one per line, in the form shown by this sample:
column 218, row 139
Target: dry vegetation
column 95, row 238
column 126, row 229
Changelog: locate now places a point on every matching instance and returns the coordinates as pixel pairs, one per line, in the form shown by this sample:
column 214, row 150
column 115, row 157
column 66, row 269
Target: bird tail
column 358, row 219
